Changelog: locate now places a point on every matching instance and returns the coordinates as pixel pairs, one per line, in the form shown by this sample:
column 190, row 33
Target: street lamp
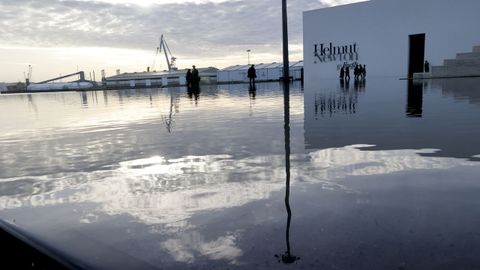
column 248, row 55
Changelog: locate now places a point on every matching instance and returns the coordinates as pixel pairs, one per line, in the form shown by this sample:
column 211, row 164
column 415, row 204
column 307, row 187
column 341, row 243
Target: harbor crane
column 28, row 76
column 166, row 50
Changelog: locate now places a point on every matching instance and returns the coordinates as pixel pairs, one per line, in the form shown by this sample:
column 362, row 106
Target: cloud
column 204, row 29
column 214, row 33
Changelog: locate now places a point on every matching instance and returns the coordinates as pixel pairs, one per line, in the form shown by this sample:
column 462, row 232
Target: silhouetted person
column 195, row 77
column 356, row 72
column 252, row 74
column 427, row 66
column 364, row 71
column 342, row 73
column 347, row 73
column 188, row 78
column 360, row 72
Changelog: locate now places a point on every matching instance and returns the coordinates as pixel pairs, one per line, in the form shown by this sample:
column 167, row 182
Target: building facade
column 392, row 38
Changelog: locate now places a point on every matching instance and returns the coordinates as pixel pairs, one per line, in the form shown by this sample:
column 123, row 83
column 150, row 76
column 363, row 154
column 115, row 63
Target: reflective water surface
column 383, row 175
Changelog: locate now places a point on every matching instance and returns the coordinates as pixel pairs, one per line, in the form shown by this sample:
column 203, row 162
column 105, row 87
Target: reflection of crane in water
column 166, row 50
column 33, row 105
column 174, row 104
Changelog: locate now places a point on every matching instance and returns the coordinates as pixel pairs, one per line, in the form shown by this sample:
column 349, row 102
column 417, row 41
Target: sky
column 58, row 37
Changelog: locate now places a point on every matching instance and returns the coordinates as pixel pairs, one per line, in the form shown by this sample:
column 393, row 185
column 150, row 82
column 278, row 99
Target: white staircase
column 464, row 65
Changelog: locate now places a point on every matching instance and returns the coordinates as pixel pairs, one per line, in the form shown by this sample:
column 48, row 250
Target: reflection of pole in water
column 287, row 258
column 105, row 97
column 84, row 99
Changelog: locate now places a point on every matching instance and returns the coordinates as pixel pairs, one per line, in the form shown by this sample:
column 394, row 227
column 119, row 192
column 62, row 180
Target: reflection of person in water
column 194, row 92
column 356, row 84
column 359, row 85
column 252, row 91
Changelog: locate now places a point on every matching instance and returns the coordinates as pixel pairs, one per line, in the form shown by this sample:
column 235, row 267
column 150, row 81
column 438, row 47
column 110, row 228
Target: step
column 470, row 55
column 472, row 62
column 421, row 76
column 437, row 69
column 455, row 71
column 476, row 49
column 461, row 68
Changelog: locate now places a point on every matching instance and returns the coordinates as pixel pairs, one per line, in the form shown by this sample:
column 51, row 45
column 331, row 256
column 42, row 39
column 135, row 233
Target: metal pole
column 248, row 55
column 288, row 258
column 286, row 74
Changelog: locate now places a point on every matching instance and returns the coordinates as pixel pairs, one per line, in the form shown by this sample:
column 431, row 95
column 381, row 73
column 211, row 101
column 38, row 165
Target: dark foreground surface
column 384, row 175
column 19, row 254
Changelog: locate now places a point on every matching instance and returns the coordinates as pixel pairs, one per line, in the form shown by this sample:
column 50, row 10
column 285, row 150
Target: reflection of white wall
column 350, row 160
column 381, row 29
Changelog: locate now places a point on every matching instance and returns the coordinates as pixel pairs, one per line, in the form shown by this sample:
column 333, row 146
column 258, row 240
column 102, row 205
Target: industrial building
column 393, row 38
column 208, row 75
column 265, row 72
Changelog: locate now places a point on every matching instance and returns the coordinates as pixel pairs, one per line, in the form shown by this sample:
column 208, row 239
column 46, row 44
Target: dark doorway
column 417, row 54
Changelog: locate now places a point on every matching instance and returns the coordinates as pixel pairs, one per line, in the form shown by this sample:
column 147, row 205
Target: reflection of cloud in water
column 160, row 191
column 190, row 244
column 156, row 190
column 350, row 160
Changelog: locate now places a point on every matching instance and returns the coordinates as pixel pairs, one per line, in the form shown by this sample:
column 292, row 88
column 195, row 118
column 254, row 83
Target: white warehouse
column 393, row 38
column 265, row 72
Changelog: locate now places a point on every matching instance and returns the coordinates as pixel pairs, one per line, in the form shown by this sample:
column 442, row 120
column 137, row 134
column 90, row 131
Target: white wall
column 381, row 30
